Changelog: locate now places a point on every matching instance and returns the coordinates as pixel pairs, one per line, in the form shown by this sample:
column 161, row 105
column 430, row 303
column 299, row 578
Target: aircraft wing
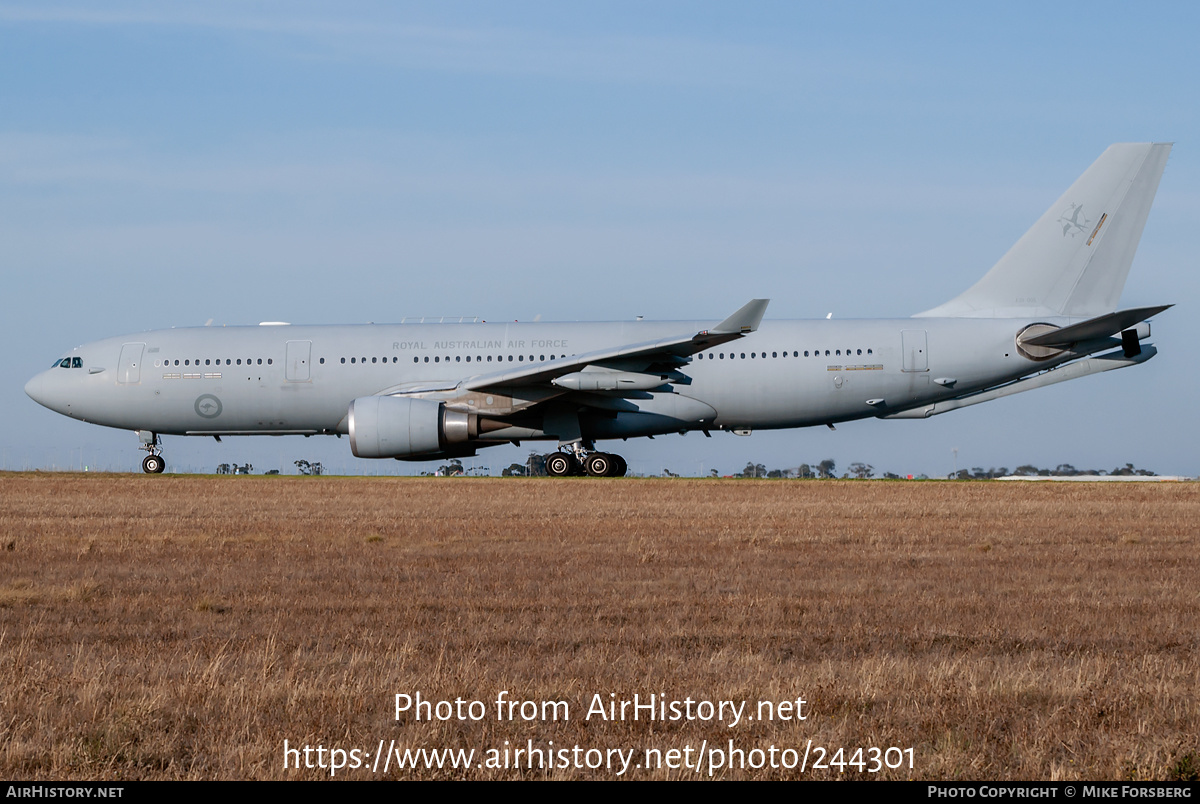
column 669, row 352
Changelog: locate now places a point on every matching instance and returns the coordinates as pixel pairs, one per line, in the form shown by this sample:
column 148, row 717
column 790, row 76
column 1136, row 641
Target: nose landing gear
column 152, row 464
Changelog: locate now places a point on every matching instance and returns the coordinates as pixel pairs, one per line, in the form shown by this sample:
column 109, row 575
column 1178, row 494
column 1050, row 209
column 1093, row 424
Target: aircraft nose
column 40, row 390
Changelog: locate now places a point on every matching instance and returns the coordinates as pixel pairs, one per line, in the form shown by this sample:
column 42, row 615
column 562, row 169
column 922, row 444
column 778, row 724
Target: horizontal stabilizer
column 1099, row 327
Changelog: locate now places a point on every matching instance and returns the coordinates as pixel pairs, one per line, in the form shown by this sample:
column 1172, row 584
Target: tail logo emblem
column 1070, row 220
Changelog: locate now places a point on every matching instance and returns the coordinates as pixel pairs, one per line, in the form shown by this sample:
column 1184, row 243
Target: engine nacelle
column 397, row 427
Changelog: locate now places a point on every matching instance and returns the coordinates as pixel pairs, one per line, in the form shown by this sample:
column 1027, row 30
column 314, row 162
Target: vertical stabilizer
column 1074, row 260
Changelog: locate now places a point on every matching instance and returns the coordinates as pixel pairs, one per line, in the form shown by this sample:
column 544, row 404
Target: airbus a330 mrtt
column 1046, row 312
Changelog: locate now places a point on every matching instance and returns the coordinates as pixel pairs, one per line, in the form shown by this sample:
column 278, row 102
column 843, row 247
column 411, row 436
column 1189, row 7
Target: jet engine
column 397, row 427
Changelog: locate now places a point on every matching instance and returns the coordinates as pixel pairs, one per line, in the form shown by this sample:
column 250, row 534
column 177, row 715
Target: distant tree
column 827, row 468
column 1065, row 470
column 223, row 469
column 805, row 471
column 862, row 471
column 535, row 465
column 514, row 470
column 1027, row 470
column 453, row 468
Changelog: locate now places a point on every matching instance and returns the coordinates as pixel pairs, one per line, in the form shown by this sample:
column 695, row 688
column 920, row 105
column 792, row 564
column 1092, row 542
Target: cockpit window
column 76, row 362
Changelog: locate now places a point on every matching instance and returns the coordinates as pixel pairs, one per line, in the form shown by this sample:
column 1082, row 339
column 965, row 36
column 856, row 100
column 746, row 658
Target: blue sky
column 163, row 164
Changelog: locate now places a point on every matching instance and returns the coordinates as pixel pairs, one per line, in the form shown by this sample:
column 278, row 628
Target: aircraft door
column 916, row 349
column 296, row 366
column 129, row 369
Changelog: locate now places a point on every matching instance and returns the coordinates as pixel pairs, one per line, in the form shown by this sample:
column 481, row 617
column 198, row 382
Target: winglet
column 745, row 320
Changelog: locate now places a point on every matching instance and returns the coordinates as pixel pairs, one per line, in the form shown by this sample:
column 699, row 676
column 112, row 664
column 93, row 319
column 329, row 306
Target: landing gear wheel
column 600, row 464
column 560, row 464
column 153, row 464
column 620, row 467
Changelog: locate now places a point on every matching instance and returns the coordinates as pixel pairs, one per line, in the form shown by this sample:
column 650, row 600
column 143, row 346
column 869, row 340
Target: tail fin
column 1075, row 259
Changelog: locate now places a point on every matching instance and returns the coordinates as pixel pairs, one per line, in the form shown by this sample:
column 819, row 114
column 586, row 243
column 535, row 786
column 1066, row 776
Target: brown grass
column 181, row 627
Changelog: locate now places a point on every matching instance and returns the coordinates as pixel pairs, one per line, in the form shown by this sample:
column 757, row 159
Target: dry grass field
column 185, row 627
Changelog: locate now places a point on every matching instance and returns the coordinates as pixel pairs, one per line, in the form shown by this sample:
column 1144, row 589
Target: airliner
column 1045, row 313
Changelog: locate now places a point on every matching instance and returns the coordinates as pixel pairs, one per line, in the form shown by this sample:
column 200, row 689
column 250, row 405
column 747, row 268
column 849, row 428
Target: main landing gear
column 581, row 461
column 152, row 464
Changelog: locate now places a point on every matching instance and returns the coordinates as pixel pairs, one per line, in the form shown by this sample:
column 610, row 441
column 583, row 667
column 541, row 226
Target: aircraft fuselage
column 301, row 379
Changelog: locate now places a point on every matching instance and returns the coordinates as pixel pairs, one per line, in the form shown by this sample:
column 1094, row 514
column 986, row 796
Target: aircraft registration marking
column 865, row 367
